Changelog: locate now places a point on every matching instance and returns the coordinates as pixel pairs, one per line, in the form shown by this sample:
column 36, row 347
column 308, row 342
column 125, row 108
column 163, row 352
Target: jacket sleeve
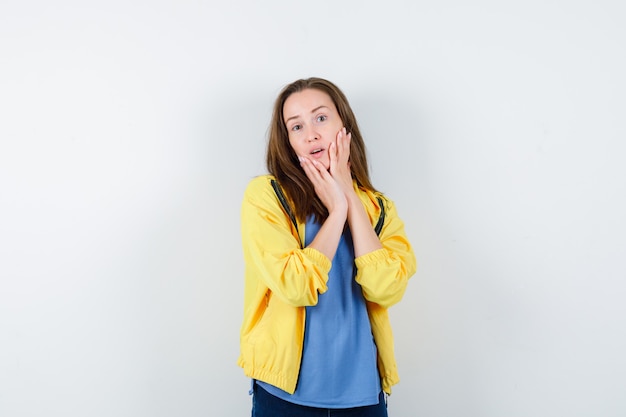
column 384, row 273
column 272, row 253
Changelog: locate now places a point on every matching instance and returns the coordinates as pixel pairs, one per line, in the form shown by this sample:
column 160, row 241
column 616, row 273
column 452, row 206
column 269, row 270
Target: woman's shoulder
column 260, row 182
column 376, row 202
column 260, row 189
column 370, row 195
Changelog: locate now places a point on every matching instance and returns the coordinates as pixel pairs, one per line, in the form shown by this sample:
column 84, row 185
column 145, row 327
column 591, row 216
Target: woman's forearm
column 364, row 237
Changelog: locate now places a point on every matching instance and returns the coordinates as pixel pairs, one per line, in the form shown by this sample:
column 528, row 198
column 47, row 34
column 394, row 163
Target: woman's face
column 312, row 122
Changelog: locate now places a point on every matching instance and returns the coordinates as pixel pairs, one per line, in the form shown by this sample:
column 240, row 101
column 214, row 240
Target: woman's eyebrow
column 292, row 117
column 317, row 108
column 312, row 111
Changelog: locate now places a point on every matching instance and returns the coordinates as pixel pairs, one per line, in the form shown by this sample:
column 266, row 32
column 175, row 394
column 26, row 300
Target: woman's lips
column 317, row 153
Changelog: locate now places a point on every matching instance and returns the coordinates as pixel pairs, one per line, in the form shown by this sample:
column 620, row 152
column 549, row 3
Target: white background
column 129, row 129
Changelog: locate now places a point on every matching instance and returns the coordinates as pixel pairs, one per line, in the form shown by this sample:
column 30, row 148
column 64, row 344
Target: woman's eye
column 321, row 118
column 295, row 128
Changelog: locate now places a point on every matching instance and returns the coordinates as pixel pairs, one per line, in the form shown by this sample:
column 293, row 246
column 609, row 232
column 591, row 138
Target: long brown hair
column 282, row 161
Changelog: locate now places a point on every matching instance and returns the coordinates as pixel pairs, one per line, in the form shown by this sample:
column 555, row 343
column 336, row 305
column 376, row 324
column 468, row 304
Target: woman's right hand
column 326, row 187
column 334, row 199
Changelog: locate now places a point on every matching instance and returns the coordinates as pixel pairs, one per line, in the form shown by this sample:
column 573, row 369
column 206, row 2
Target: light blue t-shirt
column 338, row 367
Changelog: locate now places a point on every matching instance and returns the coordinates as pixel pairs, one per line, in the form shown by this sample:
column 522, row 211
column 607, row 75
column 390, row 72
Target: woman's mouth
column 316, row 153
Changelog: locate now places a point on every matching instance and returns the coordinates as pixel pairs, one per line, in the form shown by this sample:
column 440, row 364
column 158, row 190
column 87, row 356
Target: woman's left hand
column 340, row 161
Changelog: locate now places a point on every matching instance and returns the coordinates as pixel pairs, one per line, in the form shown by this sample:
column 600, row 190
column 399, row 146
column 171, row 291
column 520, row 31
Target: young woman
column 325, row 256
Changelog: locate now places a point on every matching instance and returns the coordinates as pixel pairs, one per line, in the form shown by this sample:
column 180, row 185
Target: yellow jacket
column 281, row 279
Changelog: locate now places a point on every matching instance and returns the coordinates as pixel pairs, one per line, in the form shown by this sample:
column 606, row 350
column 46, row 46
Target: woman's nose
column 312, row 135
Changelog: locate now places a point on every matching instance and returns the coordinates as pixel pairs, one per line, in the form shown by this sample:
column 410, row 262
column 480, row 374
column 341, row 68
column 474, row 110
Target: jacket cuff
column 318, row 258
column 374, row 257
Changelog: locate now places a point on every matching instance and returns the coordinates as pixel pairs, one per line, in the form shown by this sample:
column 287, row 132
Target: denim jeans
column 265, row 404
